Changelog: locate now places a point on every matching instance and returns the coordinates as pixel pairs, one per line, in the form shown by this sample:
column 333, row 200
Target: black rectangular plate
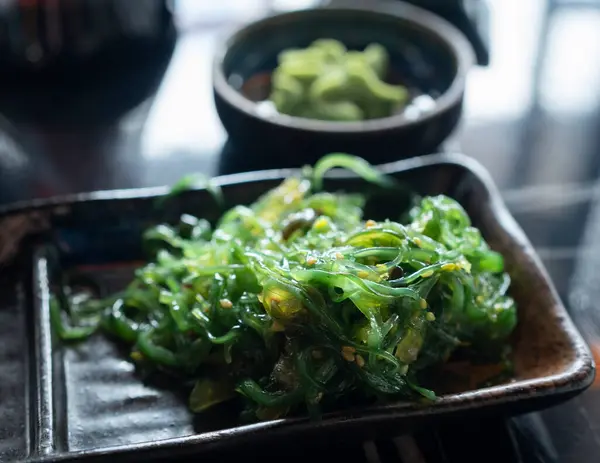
column 85, row 402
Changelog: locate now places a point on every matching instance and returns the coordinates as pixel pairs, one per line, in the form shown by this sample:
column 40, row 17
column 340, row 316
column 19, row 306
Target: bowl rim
column 457, row 44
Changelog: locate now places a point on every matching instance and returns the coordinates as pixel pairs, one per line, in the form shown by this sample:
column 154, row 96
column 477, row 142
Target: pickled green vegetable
column 325, row 81
column 296, row 302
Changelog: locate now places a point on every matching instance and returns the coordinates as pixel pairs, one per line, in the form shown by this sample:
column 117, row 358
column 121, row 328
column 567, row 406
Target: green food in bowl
column 296, row 302
column 328, row 82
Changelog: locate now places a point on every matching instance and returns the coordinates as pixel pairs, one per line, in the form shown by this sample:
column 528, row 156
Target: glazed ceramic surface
column 86, row 402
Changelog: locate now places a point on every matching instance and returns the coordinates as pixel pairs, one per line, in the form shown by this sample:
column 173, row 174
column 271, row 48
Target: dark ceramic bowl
column 85, row 403
column 61, row 36
column 62, row 51
column 427, row 55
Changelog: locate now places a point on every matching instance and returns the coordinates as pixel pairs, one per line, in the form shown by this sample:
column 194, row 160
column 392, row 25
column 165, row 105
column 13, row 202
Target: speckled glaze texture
column 86, row 403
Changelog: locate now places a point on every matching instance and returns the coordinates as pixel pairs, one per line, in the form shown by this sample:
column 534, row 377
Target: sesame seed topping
column 349, row 349
column 225, row 304
column 348, row 356
column 276, row 326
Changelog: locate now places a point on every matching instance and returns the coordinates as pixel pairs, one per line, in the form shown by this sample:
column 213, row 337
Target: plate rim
column 574, row 379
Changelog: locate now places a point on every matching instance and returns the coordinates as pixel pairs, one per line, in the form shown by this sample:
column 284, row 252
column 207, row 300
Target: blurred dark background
column 125, row 101
column 142, row 113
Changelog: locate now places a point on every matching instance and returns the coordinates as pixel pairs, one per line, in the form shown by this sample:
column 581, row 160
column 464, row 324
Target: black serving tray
column 85, row 402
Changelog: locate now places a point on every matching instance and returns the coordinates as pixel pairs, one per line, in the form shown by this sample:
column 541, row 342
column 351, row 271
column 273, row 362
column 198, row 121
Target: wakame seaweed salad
column 297, row 303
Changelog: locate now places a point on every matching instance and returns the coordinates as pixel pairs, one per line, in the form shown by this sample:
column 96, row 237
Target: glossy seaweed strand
column 296, row 302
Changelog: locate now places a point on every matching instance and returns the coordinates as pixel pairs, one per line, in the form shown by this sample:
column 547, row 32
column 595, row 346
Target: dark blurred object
column 80, row 53
column 470, row 16
column 38, row 34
